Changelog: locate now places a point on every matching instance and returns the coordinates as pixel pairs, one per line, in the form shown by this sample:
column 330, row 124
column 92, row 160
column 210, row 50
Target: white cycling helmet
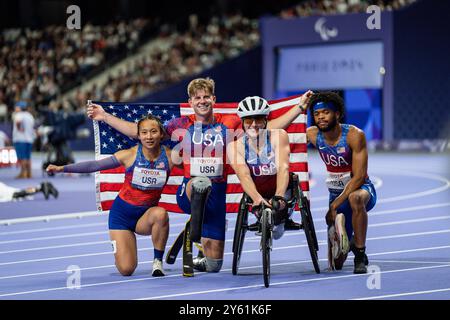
column 253, row 106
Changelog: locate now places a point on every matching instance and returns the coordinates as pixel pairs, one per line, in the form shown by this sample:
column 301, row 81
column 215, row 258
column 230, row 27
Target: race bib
column 206, row 167
column 337, row 180
column 144, row 178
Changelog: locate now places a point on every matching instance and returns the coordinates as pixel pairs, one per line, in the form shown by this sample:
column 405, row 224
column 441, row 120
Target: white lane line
column 409, row 250
column 241, row 267
column 419, row 194
column 392, row 223
column 321, row 243
column 225, row 270
column 47, row 218
column 86, row 225
column 72, row 235
column 285, row 282
column 257, row 237
column 404, row 294
column 232, row 219
column 138, row 238
column 56, row 247
column 411, row 195
column 374, row 225
column 229, row 240
column 410, row 261
column 415, row 208
column 88, row 285
column 64, row 271
column 54, row 217
column 381, row 200
column 411, row 235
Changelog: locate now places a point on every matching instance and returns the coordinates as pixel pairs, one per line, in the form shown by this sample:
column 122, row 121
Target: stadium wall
column 349, row 29
column 235, row 79
column 422, row 71
column 416, row 50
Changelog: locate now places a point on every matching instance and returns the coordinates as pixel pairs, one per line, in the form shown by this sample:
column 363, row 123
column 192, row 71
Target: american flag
column 109, row 141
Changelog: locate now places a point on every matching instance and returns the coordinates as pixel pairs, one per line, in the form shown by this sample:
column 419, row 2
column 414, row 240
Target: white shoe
column 199, row 263
column 339, row 223
column 157, row 268
column 334, row 242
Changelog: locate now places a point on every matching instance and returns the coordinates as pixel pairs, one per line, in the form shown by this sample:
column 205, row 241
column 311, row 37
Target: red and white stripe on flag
column 109, row 182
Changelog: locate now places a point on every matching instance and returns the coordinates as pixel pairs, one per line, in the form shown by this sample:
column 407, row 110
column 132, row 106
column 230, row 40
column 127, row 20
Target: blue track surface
column 408, row 243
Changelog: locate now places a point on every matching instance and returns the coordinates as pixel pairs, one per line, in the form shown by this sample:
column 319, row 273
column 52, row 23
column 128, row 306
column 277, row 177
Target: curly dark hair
column 327, row 96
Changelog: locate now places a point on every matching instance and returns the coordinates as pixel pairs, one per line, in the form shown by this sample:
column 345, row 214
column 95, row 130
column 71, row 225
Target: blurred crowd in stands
column 329, row 7
column 39, row 65
column 199, row 47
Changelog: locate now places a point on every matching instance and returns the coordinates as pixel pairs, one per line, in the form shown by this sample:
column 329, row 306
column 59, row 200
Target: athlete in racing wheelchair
column 260, row 159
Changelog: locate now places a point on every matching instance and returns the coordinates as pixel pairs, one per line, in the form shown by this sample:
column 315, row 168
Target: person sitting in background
column 8, row 193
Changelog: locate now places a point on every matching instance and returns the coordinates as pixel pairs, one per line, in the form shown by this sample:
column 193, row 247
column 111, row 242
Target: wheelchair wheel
column 305, row 204
column 266, row 243
column 239, row 234
column 310, row 236
column 308, row 225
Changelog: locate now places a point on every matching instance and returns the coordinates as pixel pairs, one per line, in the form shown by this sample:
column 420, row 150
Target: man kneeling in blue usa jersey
column 343, row 149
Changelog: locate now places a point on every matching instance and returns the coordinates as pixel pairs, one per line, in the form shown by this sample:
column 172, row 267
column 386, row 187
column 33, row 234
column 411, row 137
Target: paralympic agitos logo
column 323, row 31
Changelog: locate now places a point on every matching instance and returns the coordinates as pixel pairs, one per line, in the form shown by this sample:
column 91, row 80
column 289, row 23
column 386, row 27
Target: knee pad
column 201, row 187
column 213, row 265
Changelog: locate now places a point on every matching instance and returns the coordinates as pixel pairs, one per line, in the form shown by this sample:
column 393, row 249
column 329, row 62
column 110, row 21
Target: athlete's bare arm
column 311, row 134
column 123, row 157
column 356, row 140
column 175, row 160
column 286, row 119
column 126, row 157
column 280, row 142
column 236, row 158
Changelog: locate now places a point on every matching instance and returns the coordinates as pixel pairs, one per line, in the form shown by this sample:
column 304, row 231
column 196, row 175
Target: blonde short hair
column 206, row 84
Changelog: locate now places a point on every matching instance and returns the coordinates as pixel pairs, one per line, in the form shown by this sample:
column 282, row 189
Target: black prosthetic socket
column 201, row 187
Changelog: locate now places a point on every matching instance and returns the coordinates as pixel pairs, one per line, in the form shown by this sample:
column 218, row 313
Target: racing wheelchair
column 266, row 224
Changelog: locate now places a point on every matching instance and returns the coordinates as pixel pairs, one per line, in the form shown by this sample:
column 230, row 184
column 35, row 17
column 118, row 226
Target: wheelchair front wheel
column 239, row 234
column 266, row 243
column 305, row 204
column 310, row 237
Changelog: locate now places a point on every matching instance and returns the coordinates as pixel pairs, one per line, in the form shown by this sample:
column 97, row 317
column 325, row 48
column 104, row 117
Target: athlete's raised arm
column 96, row 112
column 282, row 122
